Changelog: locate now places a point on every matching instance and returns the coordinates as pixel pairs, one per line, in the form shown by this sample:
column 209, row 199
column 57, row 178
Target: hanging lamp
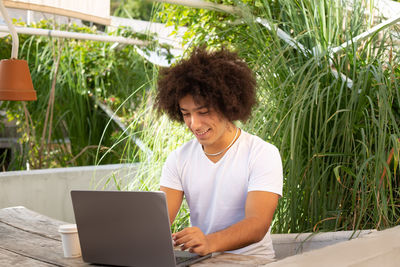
column 15, row 78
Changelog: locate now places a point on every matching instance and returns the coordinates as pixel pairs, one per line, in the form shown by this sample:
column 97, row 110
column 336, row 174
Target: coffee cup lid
column 67, row 228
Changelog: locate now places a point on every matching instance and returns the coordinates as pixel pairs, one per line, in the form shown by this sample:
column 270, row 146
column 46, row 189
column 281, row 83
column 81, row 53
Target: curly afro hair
column 220, row 79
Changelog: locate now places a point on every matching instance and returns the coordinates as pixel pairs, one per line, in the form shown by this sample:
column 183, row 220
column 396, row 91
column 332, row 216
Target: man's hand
column 194, row 239
column 259, row 210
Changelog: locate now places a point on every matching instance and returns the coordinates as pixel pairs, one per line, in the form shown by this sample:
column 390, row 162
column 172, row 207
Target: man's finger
column 180, row 233
column 182, row 240
column 192, row 243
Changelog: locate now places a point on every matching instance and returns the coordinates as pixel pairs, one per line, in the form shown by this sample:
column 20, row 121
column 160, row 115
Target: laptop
column 127, row 228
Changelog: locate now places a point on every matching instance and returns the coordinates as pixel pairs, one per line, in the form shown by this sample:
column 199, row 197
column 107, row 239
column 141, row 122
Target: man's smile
column 201, row 134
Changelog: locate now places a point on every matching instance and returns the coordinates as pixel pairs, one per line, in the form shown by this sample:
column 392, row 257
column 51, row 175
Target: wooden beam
column 57, row 11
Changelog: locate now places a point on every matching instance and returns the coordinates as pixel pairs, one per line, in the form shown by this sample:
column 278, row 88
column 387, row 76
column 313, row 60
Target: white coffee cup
column 70, row 240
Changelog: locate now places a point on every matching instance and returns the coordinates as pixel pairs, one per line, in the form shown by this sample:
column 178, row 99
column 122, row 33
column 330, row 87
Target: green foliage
column 66, row 130
column 132, row 9
column 335, row 141
column 339, row 144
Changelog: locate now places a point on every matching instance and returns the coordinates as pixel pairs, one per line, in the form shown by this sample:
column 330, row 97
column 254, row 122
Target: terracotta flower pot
column 15, row 81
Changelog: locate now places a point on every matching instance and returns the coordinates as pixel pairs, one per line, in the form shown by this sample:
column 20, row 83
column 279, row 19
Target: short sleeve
column 266, row 169
column 170, row 176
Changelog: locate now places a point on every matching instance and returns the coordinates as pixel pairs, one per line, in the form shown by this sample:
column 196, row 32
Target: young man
column 231, row 179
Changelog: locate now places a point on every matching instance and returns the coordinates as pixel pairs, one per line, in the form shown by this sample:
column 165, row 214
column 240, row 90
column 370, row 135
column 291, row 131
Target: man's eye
column 203, row 112
column 185, row 114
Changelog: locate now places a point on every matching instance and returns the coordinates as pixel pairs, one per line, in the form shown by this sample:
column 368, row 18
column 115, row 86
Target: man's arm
column 259, row 210
column 174, row 201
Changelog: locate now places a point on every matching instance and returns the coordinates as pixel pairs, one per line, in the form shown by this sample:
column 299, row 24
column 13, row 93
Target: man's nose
column 195, row 122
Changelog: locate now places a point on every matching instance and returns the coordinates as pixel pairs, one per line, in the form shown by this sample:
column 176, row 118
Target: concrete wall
column 48, row 191
column 286, row 245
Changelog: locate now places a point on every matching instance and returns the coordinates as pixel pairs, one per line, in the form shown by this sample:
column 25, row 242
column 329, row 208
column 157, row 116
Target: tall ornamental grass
column 338, row 137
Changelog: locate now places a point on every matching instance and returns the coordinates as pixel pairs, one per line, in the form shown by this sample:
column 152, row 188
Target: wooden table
column 30, row 239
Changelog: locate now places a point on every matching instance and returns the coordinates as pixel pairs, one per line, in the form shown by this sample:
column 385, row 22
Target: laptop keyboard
column 182, row 259
column 184, row 256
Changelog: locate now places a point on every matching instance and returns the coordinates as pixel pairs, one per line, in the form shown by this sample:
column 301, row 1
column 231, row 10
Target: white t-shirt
column 216, row 192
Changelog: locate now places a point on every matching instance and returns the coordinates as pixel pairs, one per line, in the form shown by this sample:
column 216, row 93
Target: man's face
column 209, row 127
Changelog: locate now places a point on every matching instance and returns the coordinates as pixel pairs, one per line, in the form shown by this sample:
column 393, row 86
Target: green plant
column 336, row 136
column 133, row 9
column 334, row 140
column 64, row 127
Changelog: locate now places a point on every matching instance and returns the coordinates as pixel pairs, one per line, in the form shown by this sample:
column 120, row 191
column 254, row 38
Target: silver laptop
column 127, row 228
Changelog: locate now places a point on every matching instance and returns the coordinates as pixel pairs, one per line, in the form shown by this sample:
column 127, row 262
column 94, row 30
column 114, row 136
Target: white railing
column 10, row 27
column 76, row 35
column 366, row 34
